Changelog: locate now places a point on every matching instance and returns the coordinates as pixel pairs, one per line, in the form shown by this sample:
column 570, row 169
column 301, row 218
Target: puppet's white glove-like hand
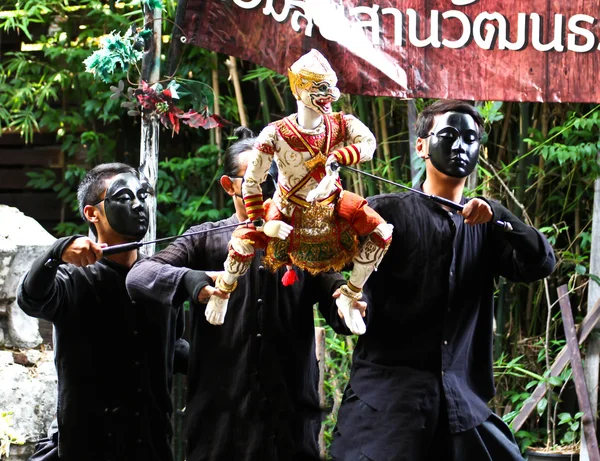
column 351, row 315
column 216, row 310
column 327, row 185
column 277, row 229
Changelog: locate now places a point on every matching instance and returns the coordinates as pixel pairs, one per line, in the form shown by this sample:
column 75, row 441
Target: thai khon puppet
column 311, row 222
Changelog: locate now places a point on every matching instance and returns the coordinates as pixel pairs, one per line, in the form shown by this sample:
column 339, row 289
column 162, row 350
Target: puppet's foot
column 216, row 310
column 352, row 316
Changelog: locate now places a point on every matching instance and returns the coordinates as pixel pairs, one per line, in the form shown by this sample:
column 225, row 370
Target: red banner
column 520, row 50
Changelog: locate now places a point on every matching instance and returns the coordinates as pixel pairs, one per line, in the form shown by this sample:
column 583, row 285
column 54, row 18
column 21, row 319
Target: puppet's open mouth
column 324, row 104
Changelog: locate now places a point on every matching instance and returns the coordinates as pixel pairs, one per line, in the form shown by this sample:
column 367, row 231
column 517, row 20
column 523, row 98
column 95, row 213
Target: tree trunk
column 150, row 128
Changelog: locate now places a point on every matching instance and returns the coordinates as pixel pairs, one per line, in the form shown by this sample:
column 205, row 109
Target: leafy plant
column 572, row 423
column 338, row 358
column 184, row 191
column 550, row 428
column 8, row 435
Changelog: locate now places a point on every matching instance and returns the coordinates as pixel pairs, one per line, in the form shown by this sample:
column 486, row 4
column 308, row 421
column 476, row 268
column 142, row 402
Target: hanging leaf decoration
column 114, row 51
column 166, row 102
column 153, row 4
column 203, row 119
column 162, row 101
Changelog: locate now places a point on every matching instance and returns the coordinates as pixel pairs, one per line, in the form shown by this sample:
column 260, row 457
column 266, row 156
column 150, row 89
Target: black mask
column 454, row 144
column 125, row 206
column 268, row 186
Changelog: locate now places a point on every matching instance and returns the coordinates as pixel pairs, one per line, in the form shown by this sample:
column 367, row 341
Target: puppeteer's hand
column 82, row 252
column 477, row 211
column 208, row 291
column 327, row 185
column 277, row 229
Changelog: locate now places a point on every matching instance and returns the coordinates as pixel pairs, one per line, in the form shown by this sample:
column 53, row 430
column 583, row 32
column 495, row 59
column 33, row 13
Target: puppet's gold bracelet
column 224, row 287
column 350, row 293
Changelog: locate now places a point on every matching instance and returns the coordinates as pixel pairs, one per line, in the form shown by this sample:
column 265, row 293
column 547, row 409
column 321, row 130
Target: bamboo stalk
column 217, row 93
column 377, row 132
column 231, row 64
column 385, row 139
column 363, row 116
column 359, row 187
column 504, row 135
column 276, row 93
column 264, row 103
column 411, row 117
column 539, row 198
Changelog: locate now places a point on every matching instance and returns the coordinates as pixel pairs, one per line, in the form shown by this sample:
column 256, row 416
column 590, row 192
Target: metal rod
column 123, row 247
column 504, row 225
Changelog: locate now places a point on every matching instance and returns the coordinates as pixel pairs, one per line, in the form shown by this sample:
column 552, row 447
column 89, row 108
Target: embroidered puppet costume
column 311, row 222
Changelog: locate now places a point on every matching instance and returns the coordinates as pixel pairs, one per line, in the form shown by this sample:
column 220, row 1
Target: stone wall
column 27, row 374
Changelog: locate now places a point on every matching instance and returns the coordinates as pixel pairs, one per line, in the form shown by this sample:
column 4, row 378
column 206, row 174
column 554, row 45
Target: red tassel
column 290, row 277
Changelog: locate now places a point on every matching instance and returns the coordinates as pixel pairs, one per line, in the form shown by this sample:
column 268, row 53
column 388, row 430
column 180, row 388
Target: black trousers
column 46, row 449
column 365, row 434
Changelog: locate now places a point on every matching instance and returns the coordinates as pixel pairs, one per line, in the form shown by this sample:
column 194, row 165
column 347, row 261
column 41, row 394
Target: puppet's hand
column 352, row 311
column 208, row 291
column 216, row 309
column 327, row 185
column 277, row 229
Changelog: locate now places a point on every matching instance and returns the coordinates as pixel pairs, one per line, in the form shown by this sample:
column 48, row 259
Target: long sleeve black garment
column 431, row 310
column 252, row 382
column 114, row 360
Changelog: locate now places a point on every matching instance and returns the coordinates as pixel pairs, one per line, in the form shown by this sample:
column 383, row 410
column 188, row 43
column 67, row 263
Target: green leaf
column 555, row 381
column 564, row 418
column 541, row 406
column 595, row 278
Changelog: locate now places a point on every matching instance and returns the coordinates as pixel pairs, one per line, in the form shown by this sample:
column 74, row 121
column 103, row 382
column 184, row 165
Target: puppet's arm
column 360, row 149
column 256, row 174
column 361, row 144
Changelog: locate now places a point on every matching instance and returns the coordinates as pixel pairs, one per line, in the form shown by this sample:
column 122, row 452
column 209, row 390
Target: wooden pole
column 591, row 367
column 320, row 353
column 150, row 127
column 587, row 421
column 587, row 326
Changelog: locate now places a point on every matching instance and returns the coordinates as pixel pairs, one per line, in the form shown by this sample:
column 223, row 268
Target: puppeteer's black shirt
column 252, row 382
column 431, row 309
column 114, row 360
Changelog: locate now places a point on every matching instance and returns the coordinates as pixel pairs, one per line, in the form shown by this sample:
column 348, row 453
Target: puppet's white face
column 319, row 96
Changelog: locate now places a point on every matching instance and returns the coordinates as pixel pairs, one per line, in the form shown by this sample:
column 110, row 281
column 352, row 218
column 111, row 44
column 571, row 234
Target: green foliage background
column 538, row 159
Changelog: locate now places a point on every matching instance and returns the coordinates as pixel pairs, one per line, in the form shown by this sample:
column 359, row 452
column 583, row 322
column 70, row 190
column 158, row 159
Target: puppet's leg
column 237, row 263
column 369, row 256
